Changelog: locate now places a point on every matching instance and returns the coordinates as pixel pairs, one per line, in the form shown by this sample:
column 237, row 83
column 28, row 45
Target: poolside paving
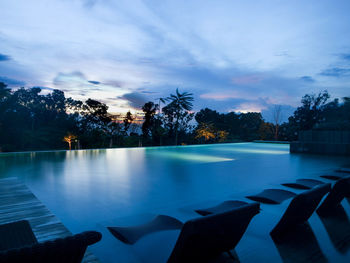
column 17, row 202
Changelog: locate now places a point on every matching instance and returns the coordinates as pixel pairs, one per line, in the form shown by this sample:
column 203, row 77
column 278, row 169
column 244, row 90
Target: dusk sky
column 233, row 55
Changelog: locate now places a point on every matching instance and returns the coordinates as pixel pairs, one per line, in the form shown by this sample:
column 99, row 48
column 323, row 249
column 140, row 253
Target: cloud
column 249, row 105
column 134, row 99
column 237, row 104
column 345, row 56
column 336, row 72
column 307, row 79
column 94, row 82
column 244, row 80
column 90, row 3
column 4, row 57
column 265, row 105
column 12, row 82
column 159, row 47
column 77, row 85
column 220, row 95
column 245, row 106
column 149, row 92
column 283, row 54
column 45, row 88
column 65, row 78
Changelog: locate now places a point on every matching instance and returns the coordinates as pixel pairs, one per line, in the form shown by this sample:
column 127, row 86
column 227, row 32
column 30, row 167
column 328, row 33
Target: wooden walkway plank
column 17, row 202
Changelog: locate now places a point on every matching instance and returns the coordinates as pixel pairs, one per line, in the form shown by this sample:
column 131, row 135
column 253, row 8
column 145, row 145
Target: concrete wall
column 322, row 142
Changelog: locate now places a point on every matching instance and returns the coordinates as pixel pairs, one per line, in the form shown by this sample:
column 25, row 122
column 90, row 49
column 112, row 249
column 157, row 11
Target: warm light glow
column 69, row 138
column 205, row 131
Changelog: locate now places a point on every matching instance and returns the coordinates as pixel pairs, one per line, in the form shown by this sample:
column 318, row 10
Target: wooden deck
column 17, row 202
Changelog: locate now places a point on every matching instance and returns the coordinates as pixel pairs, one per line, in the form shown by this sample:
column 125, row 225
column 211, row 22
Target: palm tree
column 179, row 102
column 161, row 100
column 128, row 119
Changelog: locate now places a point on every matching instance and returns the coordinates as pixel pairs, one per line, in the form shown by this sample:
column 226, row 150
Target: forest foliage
column 32, row 120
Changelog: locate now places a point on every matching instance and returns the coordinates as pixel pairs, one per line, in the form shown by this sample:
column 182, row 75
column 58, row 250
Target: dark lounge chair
column 299, row 210
column 18, row 244
column 343, row 170
column 332, row 176
column 304, row 184
column 204, row 238
column 338, row 174
column 130, row 235
column 272, row 196
column 223, row 207
column 340, row 190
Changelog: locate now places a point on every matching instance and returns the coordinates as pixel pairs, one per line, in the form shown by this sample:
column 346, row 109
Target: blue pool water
column 90, row 189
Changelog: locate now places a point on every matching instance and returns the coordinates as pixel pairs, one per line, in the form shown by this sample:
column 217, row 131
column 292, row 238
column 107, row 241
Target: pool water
column 90, row 189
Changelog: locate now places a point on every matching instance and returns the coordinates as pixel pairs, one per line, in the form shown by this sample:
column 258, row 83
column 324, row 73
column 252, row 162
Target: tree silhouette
column 4, row 91
column 149, row 110
column 310, row 113
column 179, row 103
column 277, row 118
column 128, row 119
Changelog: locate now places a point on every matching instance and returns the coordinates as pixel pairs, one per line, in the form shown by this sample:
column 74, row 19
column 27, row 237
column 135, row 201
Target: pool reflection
column 337, row 225
column 300, row 245
column 86, row 187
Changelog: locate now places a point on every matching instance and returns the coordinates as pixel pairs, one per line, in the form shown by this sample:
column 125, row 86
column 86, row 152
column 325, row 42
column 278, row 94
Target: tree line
column 31, row 120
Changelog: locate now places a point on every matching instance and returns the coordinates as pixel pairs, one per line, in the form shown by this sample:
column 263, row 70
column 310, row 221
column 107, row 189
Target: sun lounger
column 18, row 244
column 343, row 170
column 333, row 176
column 304, row 184
column 130, row 235
column 340, row 190
column 299, row 210
column 203, row 238
column 16, row 234
column 223, row 207
column 272, row 196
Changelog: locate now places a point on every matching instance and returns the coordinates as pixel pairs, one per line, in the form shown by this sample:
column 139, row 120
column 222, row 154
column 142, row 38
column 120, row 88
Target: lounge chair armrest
column 89, row 237
column 68, row 249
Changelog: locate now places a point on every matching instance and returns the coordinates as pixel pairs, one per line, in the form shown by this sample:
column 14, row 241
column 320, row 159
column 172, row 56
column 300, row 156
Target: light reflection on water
column 87, row 187
column 190, row 157
column 254, row 151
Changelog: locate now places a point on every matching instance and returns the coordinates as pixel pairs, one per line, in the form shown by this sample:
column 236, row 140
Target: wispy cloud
column 226, row 52
column 307, row 79
column 4, row 57
column 243, row 80
column 134, row 99
column 336, row 72
column 11, row 82
column 94, row 82
column 345, row 56
column 77, row 85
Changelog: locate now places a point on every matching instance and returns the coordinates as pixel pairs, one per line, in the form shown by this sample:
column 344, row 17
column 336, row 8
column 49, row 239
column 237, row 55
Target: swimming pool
column 89, row 189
